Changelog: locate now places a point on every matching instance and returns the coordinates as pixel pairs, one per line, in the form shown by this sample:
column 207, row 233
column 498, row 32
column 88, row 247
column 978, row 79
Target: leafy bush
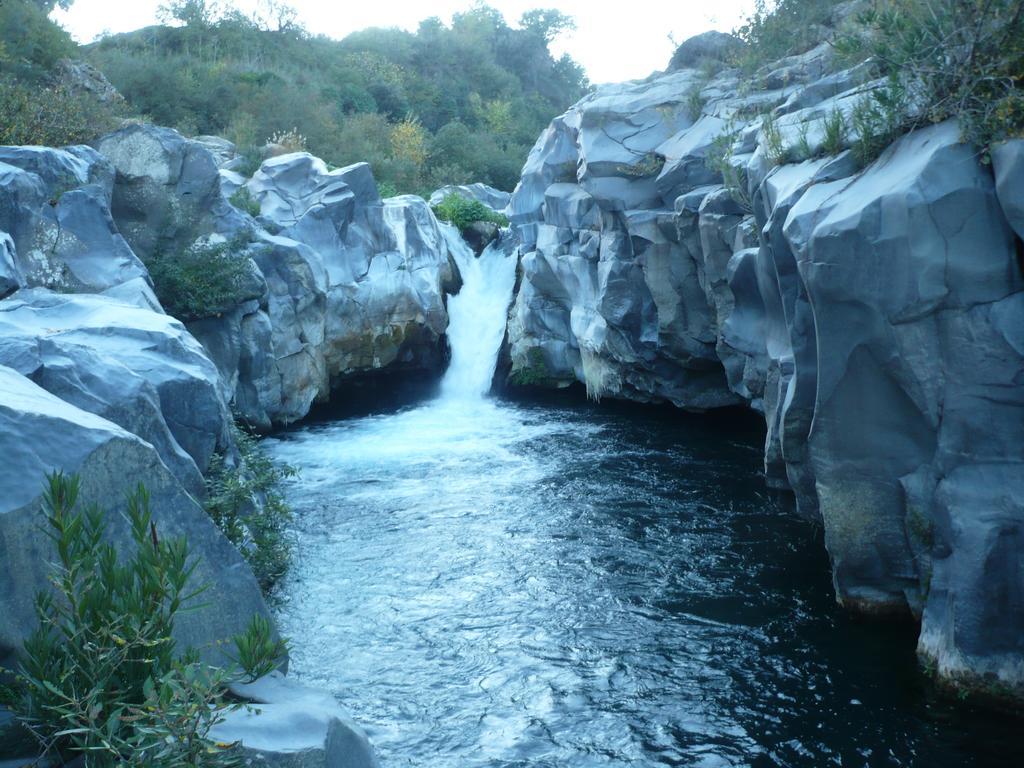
column 942, row 59
column 100, row 675
column 834, row 129
column 781, row 28
column 460, row 212
column 775, row 150
column 244, row 201
column 719, row 158
column 30, row 44
column 204, row 280
column 244, row 500
column 51, row 116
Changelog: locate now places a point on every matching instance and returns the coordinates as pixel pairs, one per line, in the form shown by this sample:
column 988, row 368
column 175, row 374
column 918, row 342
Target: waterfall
column 477, row 316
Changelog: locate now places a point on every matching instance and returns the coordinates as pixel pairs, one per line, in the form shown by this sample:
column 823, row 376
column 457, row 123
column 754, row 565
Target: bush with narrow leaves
column 101, row 677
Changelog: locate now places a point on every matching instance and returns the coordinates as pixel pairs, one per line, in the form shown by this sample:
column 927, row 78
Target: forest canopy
column 447, row 104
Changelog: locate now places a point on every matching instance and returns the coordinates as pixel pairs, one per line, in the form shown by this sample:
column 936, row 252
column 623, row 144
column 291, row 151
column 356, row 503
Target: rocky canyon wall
column 874, row 315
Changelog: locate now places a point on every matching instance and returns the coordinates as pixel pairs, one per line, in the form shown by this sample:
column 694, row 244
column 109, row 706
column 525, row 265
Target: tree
column 191, row 13
column 548, row 23
column 277, row 16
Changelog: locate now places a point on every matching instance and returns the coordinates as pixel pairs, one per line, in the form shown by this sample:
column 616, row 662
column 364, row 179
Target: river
column 485, row 582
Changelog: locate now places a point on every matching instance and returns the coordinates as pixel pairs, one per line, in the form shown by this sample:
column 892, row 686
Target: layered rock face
column 875, row 316
column 346, row 283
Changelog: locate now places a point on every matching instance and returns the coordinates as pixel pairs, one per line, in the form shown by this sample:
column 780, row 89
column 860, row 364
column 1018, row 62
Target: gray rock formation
column 55, row 207
column 715, row 47
column 136, row 368
column 288, row 725
column 873, row 316
column 40, row 433
column 349, row 284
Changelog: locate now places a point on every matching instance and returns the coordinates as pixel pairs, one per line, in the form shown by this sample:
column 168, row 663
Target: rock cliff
column 875, row 316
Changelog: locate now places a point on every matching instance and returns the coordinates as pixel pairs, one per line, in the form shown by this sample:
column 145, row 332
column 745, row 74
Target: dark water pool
column 499, row 584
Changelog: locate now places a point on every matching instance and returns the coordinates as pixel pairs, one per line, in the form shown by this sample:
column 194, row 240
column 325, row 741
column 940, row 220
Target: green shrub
column 460, row 212
column 775, row 150
column 204, row 280
column 244, row 201
column 779, row 29
column 942, row 59
column 834, row 129
column 719, row 158
column 51, row 116
column 100, row 675
column 244, row 499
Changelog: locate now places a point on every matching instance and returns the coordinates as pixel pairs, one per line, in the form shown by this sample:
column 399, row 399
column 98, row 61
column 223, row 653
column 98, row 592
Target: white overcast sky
column 620, row 40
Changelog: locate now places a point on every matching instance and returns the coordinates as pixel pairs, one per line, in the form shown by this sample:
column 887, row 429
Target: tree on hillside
column 492, row 86
column 548, row 23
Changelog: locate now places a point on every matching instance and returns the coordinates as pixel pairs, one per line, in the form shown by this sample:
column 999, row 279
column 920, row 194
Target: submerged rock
column 288, row 725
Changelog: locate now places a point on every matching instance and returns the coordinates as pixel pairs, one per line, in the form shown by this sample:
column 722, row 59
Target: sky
column 613, row 41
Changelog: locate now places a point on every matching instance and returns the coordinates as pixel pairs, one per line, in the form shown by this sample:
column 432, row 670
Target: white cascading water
column 476, row 317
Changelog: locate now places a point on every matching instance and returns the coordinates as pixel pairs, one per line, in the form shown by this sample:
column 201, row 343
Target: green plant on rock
column 534, row 373
column 203, row 280
column 100, row 677
column 719, row 158
column 461, row 212
column 944, row 59
column 695, row 101
column 834, row 132
column 244, row 201
column 775, row 149
column 244, row 499
column 649, row 164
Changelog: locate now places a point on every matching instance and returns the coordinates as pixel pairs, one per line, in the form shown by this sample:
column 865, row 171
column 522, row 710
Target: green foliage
column 719, row 158
column 357, row 99
column 834, row 129
column 203, row 280
column 50, row 116
column 461, row 212
column 244, row 499
column 695, row 101
column 878, row 120
column 942, row 59
column 781, row 28
column 648, row 164
column 775, row 150
column 244, row 201
column 100, row 675
column 534, row 373
column 30, row 44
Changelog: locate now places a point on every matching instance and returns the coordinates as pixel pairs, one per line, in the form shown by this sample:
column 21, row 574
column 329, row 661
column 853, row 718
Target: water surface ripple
column 485, row 583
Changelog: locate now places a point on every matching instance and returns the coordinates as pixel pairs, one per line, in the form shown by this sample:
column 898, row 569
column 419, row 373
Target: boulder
column 84, row 77
column 288, row 725
column 167, row 190
column 135, row 367
column 709, row 47
column 55, row 205
column 40, row 433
